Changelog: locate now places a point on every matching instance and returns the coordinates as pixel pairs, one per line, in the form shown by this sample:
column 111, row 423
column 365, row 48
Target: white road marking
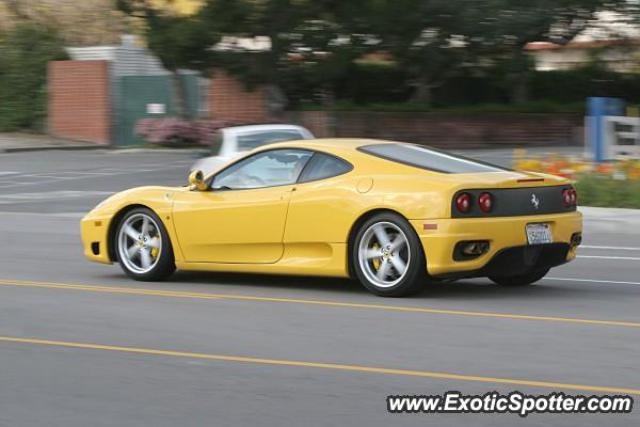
column 614, row 248
column 614, row 282
column 3, row 173
column 623, row 258
column 49, row 177
column 49, row 195
column 47, row 214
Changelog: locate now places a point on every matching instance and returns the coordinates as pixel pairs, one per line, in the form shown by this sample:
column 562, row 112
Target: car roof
column 261, row 128
column 329, row 144
column 345, row 148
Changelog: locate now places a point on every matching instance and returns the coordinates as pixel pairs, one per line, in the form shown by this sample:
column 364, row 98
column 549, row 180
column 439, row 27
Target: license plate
column 538, row 234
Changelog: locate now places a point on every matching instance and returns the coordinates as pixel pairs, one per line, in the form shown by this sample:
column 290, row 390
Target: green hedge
column 526, row 107
column 24, row 54
column 594, row 190
column 376, row 87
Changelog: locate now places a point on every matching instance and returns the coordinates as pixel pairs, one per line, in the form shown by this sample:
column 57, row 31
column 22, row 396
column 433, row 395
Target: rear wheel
column 387, row 256
column 520, row 279
column 143, row 247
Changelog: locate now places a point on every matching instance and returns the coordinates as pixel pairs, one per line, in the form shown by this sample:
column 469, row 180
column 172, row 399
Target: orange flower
column 605, row 168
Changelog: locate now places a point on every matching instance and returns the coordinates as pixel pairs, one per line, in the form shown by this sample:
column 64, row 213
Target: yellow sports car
column 392, row 215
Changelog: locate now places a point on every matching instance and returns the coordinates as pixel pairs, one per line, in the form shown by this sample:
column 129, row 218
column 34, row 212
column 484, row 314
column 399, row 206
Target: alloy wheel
column 139, row 243
column 384, row 255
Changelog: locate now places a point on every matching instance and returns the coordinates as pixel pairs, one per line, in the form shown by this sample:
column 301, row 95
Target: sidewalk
column 620, row 216
column 16, row 142
column 611, row 220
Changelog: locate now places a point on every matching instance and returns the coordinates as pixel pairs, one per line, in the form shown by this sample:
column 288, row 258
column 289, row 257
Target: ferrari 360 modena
column 392, row 215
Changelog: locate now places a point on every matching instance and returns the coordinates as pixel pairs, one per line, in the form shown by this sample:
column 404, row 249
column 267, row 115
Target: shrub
column 526, row 107
column 176, row 132
column 605, row 191
column 24, row 54
column 613, row 184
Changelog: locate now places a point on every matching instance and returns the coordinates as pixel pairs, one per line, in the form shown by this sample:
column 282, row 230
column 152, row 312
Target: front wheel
column 520, row 279
column 387, row 256
column 143, row 246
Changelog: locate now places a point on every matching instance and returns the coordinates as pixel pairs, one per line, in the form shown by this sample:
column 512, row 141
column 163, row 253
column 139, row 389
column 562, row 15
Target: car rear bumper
column 508, row 252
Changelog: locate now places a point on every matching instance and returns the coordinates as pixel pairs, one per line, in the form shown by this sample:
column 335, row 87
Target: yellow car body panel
column 232, row 226
column 103, row 219
column 501, row 233
column 305, row 228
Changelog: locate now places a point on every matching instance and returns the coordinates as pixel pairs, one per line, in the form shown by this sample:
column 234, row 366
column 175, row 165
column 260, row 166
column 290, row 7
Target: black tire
column 164, row 263
column 414, row 278
column 520, row 279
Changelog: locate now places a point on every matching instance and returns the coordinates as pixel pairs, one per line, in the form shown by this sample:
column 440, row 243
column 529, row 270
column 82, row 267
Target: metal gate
column 139, row 97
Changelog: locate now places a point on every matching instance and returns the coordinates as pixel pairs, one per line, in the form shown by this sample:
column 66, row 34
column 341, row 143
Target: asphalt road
column 82, row 345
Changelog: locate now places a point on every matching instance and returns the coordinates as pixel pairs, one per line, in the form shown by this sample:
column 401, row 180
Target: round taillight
column 569, row 197
column 463, row 202
column 485, row 201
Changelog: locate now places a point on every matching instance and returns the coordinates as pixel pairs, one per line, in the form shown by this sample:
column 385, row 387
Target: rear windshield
column 428, row 158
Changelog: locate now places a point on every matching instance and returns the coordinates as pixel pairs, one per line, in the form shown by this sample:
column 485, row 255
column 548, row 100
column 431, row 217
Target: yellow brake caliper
column 376, row 261
column 155, row 251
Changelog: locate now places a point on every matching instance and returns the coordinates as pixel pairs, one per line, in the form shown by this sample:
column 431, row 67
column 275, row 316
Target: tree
column 505, row 27
column 82, row 23
column 420, row 35
column 179, row 41
column 24, row 54
column 311, row 44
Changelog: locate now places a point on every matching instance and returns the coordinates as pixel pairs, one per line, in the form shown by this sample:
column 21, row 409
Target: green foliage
column 385, row 88
column 525, row 107
column 24, row 54
column 574, row 85
column 180, row 42
column 602, row 191
column 304, row 60
column 552, row 88
column 441, row 53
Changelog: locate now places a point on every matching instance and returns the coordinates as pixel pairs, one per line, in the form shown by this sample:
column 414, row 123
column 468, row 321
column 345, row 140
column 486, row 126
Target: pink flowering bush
column 176, row 132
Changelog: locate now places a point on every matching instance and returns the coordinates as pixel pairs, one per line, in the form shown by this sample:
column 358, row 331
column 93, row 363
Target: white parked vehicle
column 236, row 140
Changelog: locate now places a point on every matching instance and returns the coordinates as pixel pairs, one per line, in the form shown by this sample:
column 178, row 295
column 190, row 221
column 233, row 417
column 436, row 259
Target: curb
column 52, row 148
column 106, row 148
column 594, row 212
column 160, row 150
column 611, row 220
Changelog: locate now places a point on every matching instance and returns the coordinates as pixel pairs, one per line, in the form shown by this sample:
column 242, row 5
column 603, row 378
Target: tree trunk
column 179, row 95
column 328, row 104
column 520, row 88
column 422, row 92
column 518, row 76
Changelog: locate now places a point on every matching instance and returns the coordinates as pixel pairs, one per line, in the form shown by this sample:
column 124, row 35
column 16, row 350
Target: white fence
column 621, row 136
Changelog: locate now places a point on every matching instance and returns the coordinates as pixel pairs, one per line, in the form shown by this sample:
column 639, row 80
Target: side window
column 249, row 141
column 265, row 169
column 323, row 166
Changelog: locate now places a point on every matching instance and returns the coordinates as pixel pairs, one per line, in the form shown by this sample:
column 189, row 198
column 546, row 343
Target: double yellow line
column 308, row 364
column 385, row 307
column 328, row 366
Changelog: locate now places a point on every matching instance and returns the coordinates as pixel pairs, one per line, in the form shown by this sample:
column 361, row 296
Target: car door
column 241, row 218
column 322, row 207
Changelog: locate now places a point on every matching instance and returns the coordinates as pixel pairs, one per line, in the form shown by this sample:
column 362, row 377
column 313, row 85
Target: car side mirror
column 196, row 181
